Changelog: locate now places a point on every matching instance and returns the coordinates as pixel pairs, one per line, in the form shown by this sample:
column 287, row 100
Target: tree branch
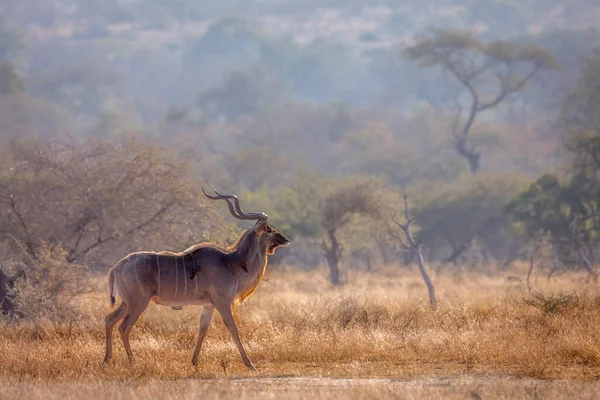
column 398, row 238
column 28, row 240
column 99, row 241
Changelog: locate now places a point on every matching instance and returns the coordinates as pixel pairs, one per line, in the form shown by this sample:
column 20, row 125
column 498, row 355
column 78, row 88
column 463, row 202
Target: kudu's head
column 267, row 235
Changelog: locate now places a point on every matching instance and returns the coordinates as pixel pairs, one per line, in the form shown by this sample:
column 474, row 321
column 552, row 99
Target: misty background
column 486, row 113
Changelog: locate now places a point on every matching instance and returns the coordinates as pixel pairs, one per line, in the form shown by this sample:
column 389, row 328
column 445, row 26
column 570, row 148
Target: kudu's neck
column 250, row 262
column 251, row 253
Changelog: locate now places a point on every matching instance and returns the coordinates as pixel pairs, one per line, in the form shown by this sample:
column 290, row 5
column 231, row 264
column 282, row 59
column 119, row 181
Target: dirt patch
column 468, row 387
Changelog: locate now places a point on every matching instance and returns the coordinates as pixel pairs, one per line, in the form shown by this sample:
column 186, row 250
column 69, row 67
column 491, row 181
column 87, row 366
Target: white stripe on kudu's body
column 221, row 277
column 158, row 267
column 176, row 279
column 137, row 277
column 184, row 280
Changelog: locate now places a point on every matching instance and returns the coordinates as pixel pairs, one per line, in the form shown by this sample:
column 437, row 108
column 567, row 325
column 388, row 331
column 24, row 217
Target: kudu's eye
column 269, row 230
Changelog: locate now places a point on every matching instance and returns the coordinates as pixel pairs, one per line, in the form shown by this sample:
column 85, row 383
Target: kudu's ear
column 261, row 226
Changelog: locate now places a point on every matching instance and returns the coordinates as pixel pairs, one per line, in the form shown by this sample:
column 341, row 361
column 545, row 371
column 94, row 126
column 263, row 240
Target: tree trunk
column 457, row 252
column 471, row 156
column 385, row 254
column 7, row 305
column 425, row 275
column 333, row 255
column 585, row 261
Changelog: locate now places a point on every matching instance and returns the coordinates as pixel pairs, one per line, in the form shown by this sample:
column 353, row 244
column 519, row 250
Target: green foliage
column 568, row 214
column 454, row 214
column 299, row 205
column 348, row 198
column 543, row 209
column 345, row 212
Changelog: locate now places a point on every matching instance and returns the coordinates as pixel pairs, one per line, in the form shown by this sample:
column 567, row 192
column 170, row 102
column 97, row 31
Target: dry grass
column 378, row 326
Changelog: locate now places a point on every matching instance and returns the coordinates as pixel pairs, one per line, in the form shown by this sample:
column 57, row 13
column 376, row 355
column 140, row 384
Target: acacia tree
column 349, row 198
column 489, row 73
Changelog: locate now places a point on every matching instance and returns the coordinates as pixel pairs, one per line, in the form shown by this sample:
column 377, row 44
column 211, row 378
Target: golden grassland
column 376, row 335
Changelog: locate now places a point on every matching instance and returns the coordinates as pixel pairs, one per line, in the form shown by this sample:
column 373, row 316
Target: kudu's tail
column 112, row 287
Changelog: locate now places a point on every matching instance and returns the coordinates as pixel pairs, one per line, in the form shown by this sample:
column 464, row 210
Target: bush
column 50, row 285
column 555, row 303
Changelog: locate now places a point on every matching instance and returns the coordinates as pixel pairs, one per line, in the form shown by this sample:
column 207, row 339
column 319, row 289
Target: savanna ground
column 376, row 337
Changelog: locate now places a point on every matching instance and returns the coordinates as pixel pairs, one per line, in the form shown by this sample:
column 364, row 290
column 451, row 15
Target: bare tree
column 348, row 199
column 409, row 243
column 489, row 72
column 93, row 195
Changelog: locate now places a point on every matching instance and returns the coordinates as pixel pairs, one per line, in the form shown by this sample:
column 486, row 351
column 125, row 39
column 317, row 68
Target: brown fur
column 241, row 298
column 203, row 274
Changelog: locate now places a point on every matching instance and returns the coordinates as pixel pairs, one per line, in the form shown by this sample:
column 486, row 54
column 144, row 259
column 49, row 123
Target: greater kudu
column 204, row 274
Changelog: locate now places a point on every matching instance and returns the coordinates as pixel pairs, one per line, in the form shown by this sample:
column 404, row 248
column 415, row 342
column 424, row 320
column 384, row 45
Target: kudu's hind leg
column 133, row 313
column 110, row 321
column 229, row 322
column 205, row 318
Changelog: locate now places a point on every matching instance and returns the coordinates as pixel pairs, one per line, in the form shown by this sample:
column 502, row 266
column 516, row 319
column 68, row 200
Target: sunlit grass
column 379, row 325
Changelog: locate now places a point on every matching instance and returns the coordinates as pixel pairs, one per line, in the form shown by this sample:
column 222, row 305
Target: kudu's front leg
column 229, row 322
